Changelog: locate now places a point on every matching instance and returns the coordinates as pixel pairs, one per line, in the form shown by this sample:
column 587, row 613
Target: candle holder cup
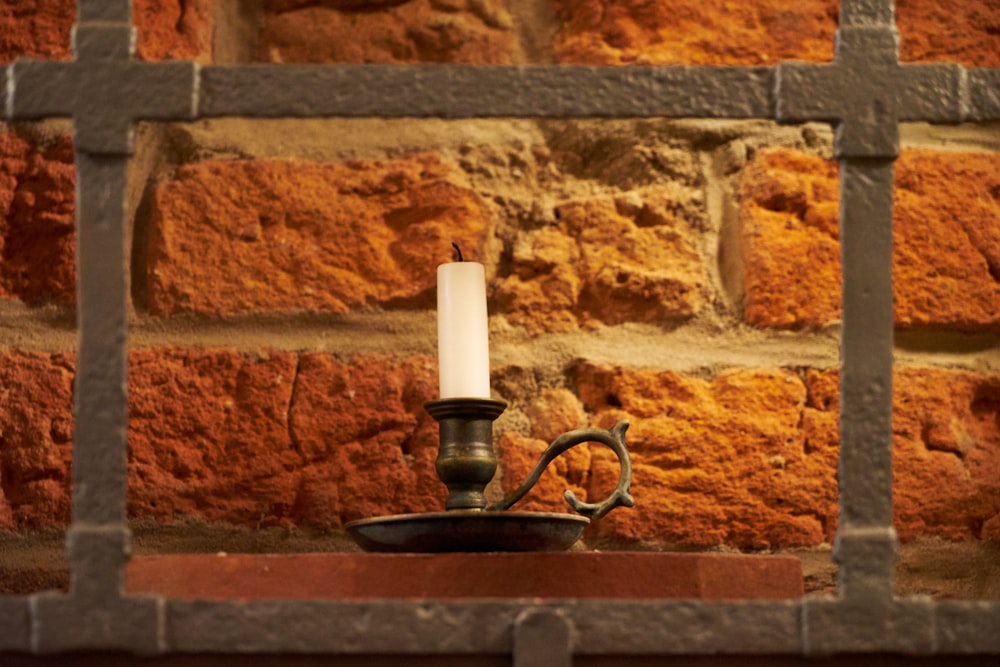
column 466, row 464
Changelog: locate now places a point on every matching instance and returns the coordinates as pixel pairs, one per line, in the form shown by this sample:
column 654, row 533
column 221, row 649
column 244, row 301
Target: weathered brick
column 476, row 32
column 270, row 235
column 173, row 29
column 717, row 32
column 946, row 449
column 167, row 29
column 965, row 31
column 208, row 435
column 711, row 32
column 746, row 459
column 36, row 434
column 36, row 29
column 37, row 238
column 946, row 240
column 367, row 445
column 280, row 438
column 605, row 261
column 749, row 459
column 720, row 461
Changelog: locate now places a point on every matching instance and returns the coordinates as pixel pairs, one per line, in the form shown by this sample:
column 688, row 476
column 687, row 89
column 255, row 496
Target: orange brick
column 710, row 32
column 747, row 459
column 605, row 261
column 37, row 236
column 173, row 29
column 418, row 31
column 36, row 29
column 279, row 439
column 269, row 235
column 963, row 31
column 36, row 435
column 167, row 29
column 946, row 240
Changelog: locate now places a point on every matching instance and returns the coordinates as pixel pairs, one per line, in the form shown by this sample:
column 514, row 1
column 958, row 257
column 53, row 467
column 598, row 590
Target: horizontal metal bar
column 984, row 94
column 460, row 91
column 601, row 627
column 15, row 623
column 464, row 91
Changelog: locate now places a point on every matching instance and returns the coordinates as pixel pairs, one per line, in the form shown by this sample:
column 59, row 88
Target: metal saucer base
column 468, row 530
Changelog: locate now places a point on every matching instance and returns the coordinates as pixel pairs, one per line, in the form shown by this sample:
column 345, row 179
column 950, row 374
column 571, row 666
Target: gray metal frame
column 865, row 92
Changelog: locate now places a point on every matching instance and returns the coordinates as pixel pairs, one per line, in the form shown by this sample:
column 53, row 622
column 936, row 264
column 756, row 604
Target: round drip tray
column 472, row 530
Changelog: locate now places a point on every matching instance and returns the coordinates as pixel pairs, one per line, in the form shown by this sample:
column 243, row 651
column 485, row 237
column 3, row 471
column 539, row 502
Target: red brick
column 418, row 31
column 208, row 435
column 36, row 29
column 36, row 434
column 718, row 461
column 366, row 443
column 946, row 240
column 964, row 31
column 37, row 238
column 747, row 459
column 605, row 261
column 946, row 449
column 174, row 29
column 717, row 32
column 279, row 438
column 464, row 575
column 269, row 235
column 710, row 32
column 167, row 29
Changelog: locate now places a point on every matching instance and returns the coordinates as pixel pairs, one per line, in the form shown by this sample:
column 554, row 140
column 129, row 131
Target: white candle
column 463, row 334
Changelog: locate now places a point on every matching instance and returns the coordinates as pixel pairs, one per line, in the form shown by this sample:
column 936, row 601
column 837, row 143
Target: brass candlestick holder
column 466, row 464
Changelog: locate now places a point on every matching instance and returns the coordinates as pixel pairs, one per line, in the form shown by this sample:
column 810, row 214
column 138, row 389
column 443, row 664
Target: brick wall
column 681, row 274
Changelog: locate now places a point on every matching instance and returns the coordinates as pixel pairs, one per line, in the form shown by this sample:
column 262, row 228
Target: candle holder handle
column 613, row 438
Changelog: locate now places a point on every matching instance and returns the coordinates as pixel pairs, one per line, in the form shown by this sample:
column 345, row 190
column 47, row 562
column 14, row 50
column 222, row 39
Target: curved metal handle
column 615, row 439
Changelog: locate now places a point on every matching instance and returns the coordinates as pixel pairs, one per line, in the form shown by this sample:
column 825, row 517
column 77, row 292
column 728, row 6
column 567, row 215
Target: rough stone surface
column 946, row 449
column 36, row 29
column 279, row 438
column 366, row 443
column 208, row 435
column 946, row 240
column 36, row 435
column 240, row 236
column 37, row 238
column 749, row 459
column 961, row 31
column 173, row 29
column 717, row 32
column 411, row 31
column 714, row 32
column 167, row 29
column 604, row 260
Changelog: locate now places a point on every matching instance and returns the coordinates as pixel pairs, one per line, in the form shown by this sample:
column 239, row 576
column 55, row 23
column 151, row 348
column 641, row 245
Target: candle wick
column 458, row 250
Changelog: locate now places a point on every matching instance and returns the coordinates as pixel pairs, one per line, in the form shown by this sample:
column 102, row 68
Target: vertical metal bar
column 100, row 391
column 866, row 541
column 867, row 13
column 114, row 11
column 98, row 541
column 542, row 638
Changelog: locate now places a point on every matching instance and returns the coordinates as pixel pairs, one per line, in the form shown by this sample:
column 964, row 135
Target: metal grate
column 865, row 92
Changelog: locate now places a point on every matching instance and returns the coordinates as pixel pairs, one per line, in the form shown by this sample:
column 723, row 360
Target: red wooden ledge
column 354, row 576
